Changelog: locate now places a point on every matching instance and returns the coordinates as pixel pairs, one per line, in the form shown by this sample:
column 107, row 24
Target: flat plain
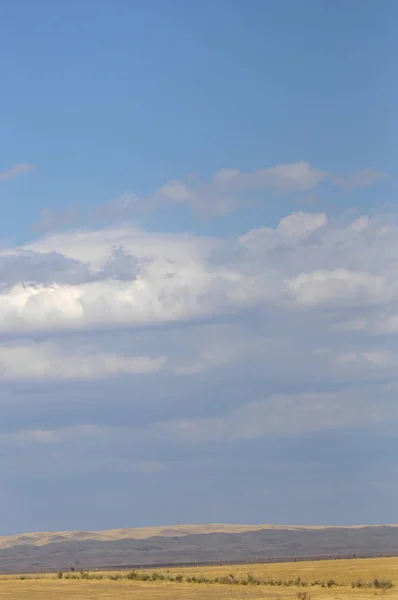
column 351, row 579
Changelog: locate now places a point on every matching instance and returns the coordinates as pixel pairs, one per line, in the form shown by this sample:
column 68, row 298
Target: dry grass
column 343, row 572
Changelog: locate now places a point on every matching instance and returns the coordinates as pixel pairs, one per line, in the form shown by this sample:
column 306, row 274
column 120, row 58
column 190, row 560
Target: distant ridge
column 143, row 533
column 181, row 544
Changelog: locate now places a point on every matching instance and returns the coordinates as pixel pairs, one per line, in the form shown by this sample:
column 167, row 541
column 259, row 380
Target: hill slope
column 190, row 543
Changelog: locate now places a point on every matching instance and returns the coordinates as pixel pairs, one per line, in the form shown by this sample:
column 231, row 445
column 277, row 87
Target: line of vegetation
column 231, row 579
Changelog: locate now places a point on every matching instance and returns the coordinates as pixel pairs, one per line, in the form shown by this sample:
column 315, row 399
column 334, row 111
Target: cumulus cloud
column 321, row 287
column 280, row 306
column 28, row 267
column 172, row 362
column 129, row 277
column 128, row 283
column 18, row 169
column 301, row 223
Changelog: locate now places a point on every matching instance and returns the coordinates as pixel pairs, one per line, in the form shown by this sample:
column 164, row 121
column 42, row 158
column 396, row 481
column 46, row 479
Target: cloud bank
column 158, row 353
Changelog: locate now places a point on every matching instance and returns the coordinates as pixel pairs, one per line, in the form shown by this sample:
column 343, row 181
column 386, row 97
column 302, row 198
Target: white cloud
column 291, row 231
column 223, row 193
column 304, row 306
column 287, row 177
column 230, row 188
column 162, row 293
column 226, row 191
column 53, row 436
column 174, row 281
column 121, row 277
column 295, row 176
column 319, row 287
column 15, row 170
column 281, row 414
column 301, row 224
column 177, row 191
column 95, row 247
column 378, row 357
column 46, row 361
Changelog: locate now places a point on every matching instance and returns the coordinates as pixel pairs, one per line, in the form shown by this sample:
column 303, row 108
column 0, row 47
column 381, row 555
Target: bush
column 132, row 575
column 382, row 584
column 226, row 579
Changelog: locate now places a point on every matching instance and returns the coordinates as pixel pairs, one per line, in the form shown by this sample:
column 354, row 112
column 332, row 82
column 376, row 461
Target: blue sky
column 198, row 267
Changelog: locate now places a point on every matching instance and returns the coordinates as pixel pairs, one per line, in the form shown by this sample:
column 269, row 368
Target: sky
column 198, row 263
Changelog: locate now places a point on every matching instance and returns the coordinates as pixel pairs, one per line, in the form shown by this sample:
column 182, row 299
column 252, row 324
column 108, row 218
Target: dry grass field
column 318, row 581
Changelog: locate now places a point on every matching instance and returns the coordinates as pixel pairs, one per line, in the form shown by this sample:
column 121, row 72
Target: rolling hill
column 190, row 543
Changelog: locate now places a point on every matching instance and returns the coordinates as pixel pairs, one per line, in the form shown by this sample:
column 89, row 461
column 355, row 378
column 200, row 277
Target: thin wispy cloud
column 227, row 191
column 18, row 169
column 56, row 220
column 230, row 189
column 362, row 178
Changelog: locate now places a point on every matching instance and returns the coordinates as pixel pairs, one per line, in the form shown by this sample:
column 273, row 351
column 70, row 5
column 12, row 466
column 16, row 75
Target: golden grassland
column 276, row 583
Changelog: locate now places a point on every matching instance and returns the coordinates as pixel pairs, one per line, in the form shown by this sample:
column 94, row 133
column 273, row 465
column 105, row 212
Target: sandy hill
column 143, row 533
